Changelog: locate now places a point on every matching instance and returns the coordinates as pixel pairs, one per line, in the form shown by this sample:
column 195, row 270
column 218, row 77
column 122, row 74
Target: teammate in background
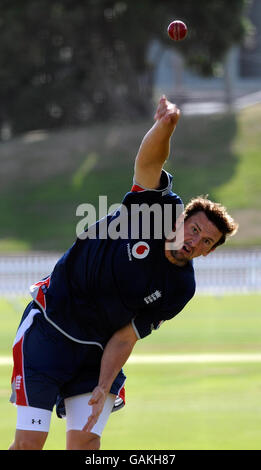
column 103, row 295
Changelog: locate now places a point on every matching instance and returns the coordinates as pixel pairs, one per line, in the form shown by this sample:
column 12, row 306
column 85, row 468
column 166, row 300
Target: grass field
column 174, row 406
column 217, row 155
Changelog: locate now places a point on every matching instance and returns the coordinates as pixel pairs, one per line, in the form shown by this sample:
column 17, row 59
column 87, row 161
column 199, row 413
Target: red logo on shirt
column 140, row 250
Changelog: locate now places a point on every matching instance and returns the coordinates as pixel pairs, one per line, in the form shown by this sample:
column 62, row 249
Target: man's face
column 200, row 235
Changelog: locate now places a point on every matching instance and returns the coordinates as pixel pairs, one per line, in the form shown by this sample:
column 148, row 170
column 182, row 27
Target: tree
column 65, row 62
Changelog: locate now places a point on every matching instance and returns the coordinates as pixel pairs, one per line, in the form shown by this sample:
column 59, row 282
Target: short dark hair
column 216, row 213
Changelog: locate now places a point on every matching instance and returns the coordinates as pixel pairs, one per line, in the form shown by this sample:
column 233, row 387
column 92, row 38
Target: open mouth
column 187, row 249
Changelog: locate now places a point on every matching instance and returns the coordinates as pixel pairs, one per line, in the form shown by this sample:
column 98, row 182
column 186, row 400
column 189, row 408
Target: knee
column 28, row 440
column 26, row 444
column 79, row 440
column 94, row 444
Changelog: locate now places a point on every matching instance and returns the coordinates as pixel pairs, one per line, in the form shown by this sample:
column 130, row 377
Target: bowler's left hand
column 97, row 401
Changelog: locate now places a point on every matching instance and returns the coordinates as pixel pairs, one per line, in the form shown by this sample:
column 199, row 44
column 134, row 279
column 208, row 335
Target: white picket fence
column 219, row 273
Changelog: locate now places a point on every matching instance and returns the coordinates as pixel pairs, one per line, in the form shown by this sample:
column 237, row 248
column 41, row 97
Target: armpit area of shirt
column 165, row 184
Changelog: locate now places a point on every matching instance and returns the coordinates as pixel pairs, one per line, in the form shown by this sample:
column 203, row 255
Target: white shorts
column 77, row 413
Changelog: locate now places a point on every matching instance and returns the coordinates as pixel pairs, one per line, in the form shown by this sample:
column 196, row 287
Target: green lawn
column 174, row 406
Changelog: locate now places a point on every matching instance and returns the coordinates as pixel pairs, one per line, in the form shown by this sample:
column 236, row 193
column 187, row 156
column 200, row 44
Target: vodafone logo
column 140, row 250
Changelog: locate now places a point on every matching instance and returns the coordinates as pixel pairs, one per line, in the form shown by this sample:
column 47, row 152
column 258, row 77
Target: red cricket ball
column 177, row 30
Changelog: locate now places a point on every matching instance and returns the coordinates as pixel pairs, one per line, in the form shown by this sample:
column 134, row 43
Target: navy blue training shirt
column 102, row 284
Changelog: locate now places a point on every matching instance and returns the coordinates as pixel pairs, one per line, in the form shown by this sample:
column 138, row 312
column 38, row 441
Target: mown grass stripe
column 195, row 358
column 177, row 358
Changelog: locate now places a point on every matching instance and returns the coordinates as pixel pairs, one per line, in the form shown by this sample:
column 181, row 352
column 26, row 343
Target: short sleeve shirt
column 104, row 281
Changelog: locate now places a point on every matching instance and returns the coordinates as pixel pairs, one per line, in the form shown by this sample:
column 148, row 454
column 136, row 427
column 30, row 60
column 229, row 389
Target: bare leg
column 29, row 440
column 81, row 440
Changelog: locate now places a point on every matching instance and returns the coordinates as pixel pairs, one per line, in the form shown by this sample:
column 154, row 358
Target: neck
column 171, row 257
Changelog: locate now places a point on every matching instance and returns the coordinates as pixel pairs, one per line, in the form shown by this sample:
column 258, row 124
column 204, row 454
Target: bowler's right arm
column 155, row 146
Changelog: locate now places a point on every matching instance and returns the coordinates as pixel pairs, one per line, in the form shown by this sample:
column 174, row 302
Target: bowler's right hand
column 167, row 112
